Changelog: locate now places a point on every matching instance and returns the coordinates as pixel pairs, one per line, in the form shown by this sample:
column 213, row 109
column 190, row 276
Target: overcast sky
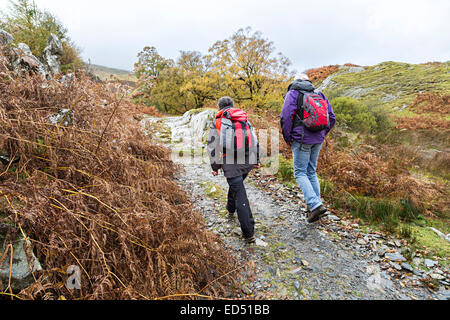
column 310, row 33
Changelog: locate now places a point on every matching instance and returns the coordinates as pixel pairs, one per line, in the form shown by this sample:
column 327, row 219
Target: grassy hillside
column 104, row 73
column 415, row 95
column 390, row 84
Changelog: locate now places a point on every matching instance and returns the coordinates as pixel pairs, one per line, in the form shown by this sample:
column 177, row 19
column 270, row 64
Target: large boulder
column 5, row 38
column 51, row 56
column 24, row 264
column 23, row 60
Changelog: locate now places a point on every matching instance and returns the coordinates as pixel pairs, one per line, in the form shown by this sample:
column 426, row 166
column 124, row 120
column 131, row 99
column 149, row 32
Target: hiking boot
column 230, row 215
column 317, row 214
column 250, row 240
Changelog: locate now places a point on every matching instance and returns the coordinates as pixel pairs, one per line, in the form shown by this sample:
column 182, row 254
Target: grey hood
column 301, row 85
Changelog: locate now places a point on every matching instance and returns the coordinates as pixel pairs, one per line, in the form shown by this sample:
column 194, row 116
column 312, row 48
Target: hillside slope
column 391, row 84
column 104, row 73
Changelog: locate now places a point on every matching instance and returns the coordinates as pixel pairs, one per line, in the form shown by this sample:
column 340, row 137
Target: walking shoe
column 230, row 215
column 317, row 214
column 250, row 240
column 6, row 160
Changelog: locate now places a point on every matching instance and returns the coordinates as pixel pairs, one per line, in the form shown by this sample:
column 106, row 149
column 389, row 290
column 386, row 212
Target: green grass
column 394, row 79
column 286, row 171
column 425, row 237
column 213, row 190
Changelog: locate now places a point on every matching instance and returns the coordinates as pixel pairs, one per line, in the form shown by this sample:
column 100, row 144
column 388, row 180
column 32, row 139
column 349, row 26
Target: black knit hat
column 225, row 102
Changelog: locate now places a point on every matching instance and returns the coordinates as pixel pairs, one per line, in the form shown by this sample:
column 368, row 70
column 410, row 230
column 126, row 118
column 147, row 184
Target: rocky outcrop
column 22, row 60
column 52, row 55
column 193, row 127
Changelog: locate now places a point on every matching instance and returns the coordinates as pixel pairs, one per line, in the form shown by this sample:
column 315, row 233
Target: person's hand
column 289, row 144
column 215, row 173
column 257, row 166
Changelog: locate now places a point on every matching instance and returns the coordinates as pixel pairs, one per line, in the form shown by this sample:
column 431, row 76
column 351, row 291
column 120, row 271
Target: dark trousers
column 238, row 201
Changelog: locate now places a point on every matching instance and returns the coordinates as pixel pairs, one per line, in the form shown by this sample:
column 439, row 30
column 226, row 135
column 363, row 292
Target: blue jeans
column 305, row 165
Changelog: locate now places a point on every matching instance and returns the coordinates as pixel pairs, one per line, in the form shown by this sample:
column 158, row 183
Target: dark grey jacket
column 230, row 169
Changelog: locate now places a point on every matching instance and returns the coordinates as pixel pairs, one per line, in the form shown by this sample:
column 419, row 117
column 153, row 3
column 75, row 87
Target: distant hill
column 104, row 73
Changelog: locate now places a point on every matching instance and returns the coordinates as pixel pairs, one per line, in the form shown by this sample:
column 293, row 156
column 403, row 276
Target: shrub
column 354, row 114
column 70, row 60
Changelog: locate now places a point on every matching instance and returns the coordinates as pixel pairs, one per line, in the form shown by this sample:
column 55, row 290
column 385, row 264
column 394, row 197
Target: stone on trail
column 237, row 231
column 333, row 217
column 261, row 243
column 378, row 280
column 395, row 266
column 25, row 49
column 407, row 267
column 430, row 263
column 437, row 276
column 361, row 242
column 395, row 257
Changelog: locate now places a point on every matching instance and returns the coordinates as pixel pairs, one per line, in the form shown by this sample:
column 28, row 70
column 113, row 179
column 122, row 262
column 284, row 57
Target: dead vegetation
column 320, row 74
column 97, row 194
column 433, row 110
column 383, row 172
column 422, row 122
column 428, row 102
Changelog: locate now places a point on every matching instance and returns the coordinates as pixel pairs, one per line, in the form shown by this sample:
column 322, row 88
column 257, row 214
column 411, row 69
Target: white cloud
column 310, row 33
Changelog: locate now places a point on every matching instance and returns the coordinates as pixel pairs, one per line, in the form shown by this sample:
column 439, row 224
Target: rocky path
column 331, row 259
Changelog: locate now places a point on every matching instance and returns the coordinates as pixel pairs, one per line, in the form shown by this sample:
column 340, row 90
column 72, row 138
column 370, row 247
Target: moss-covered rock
column 212, row 190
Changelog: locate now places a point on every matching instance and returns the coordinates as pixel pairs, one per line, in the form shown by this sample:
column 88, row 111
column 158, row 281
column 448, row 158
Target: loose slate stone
column 407, row 267
column 395, row 257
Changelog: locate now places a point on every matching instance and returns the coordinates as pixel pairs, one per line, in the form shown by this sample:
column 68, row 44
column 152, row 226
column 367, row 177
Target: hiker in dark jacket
column 235, row 171
column 305, row 144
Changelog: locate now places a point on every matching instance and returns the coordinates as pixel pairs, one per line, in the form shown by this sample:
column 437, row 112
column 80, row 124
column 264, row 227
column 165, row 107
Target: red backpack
column 235, row 132
column 312, row 112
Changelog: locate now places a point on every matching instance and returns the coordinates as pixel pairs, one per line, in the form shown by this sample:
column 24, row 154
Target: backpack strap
column 298, row 116
column 298, row 120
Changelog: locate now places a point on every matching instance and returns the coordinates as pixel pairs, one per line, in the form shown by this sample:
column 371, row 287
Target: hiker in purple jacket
column 305, row 144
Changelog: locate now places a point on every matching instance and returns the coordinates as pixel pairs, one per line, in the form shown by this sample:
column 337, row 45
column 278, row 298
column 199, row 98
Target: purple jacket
column 287, row 114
